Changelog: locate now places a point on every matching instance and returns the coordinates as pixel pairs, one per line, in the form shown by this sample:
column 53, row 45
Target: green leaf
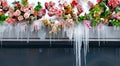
column 115, row 23
column 3, row 18
column 117, row 9
column 64, row 17
column 38, row 7
column 94, row 22
column 24, row 2
column 81, row 18
column 106, row 14
column 102, row 4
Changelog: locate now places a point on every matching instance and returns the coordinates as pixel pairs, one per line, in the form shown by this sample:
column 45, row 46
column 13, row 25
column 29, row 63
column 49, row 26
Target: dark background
column 57, row 54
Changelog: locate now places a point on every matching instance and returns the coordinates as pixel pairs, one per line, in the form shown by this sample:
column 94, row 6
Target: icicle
column 3, row 28
column 39, row 27
column 28, row 33
column 50, row 39
column 17, row 29
column 87, row 27
column 69, row 33
column 23, row 27
column 10, row 27
column 78, row 35
column 98, row 31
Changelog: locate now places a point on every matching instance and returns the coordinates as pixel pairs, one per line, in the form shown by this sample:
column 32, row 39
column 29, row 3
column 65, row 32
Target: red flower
column 113, row 3
column 43, row 12
column 46, row 5
column 18, row 5
column 90, row 4
column 74, row 3
column 80, row 10
column 5, row 4
column 99, row 1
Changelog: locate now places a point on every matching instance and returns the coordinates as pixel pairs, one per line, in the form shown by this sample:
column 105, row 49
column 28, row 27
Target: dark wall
column 97, row 56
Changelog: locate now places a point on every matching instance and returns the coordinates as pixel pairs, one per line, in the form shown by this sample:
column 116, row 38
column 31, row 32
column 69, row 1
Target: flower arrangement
column 3, row 9
column 105, row 12
column 65, row 14
column 21, row 12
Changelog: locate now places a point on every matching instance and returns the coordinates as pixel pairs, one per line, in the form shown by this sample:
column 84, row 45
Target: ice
column 78, row 35
column 10, row 27
column 17, row 27
column 99, row 30
column 69, row 32
column 86, row 42
column 2, row 29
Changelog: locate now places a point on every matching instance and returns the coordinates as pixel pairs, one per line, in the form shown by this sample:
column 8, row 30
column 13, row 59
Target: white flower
column 26, row 15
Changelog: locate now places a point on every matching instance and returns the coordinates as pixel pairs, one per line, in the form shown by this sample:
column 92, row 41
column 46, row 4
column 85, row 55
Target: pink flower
column 20, row 18
column 118, row 16
column 87, row 24
column 26, row 10
column 60, row 23
column 32, row 11
column 1, row 13
column 10, row 14
column 51, row 3
column 46, row 5
column 42, row 12
column 5, row 4
column 70, row 21
column 10, row 20
column 17, row 13
column 99, row 1
column 113, row 3
column 22, row 8
column 26, row 15
column 51, row 14
column 80, row 10
column 53, row 9
column 91, row 5
column 59, row 13
column 30, row 5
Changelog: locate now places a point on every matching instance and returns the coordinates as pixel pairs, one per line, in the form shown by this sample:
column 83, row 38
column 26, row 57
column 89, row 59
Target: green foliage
column 106, row 14
column 38, row 7
column 64, row 17
column 117, row 9
column 102, row 4
column 96, row 10
column 94, row 23
column 115, row 23
column 81, row 18
column 3, row 18
column 24, row 2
